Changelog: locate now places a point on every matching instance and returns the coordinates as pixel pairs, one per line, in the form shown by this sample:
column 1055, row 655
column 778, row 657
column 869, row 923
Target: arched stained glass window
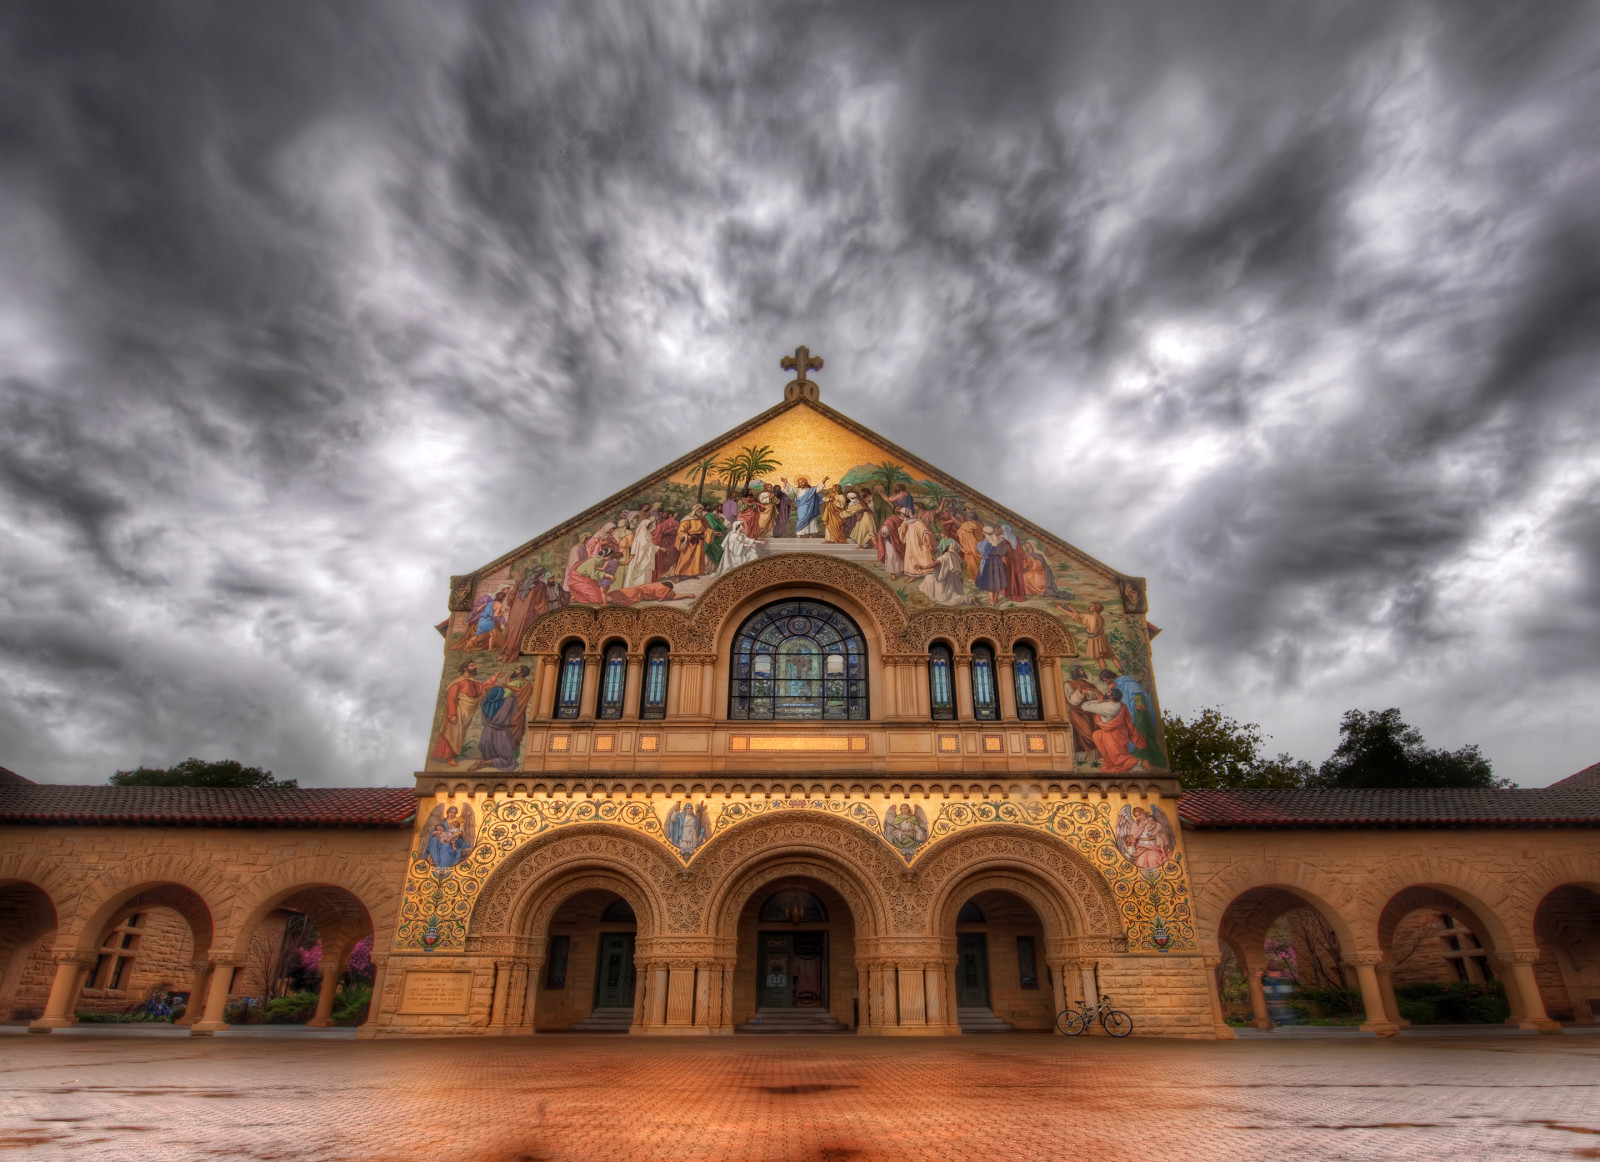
column 613, row 679
column 798, row 659
column 985, row 705
column 1025, row 679
column 653, row 694
column 569, row 683
column 941, row 685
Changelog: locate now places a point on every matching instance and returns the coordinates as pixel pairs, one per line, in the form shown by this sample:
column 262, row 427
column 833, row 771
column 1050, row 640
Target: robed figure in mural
column 505, row 717
column 461, row 699
column 737, row 549
column 1114, row 736
column 807, row 504
column 1145, row 837
column 1142, row 709
column 1098, row 644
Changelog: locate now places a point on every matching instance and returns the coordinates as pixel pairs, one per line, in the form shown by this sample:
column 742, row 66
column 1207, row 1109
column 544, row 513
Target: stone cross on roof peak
column 801, row 362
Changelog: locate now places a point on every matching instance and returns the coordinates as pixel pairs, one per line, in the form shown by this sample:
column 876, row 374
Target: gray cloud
column 1292, row 308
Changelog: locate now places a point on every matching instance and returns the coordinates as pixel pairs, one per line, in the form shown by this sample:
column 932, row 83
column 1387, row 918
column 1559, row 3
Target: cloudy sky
column 1293, row 308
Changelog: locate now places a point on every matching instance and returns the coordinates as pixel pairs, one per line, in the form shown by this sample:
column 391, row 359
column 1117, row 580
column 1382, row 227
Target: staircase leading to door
column 793, row 1021
column 605, row 1021
column 982, row 1021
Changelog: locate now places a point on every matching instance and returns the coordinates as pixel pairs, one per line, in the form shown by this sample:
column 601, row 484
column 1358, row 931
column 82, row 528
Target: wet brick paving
column 797, row 1098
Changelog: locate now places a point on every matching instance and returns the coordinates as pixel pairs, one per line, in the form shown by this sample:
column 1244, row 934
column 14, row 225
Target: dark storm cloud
column 1292, row 307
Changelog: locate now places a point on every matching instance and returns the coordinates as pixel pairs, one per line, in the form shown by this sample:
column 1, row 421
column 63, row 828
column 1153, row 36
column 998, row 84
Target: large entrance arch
column 794, row 969
column 27, row 932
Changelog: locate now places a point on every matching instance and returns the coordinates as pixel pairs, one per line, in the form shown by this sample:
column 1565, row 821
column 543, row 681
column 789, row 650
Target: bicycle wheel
column 1117, row 1023
column 1072, row 1022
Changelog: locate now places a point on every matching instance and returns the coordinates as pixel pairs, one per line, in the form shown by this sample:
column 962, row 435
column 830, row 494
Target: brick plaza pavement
column 797, row 1098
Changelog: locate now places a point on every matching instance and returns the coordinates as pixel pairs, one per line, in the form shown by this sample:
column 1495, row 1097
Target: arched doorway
column 1282, row 960
column 27, row 936
column 305, row 959
column 1438, row 961
column 795, row 968
column 1567, row 929
column 589, row 982
column 1001, row 982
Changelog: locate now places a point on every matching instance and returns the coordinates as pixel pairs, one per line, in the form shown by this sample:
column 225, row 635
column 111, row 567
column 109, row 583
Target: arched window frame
column 653, row 689
column 569, row 681
column 942, row 682
column 613, row 679
column 1025, row 682
column 757, row 692
column 985, row 685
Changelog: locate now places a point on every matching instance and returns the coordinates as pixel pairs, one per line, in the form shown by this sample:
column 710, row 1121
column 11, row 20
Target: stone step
column 616, row 1020
column 976, row 1020
column 793, row 1021
column 850, row 551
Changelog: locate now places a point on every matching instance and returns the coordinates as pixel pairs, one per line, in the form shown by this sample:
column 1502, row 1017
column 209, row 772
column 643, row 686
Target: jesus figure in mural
column 807, row 504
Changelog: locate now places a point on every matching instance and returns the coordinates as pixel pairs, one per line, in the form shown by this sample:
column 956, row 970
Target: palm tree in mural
column 891, row 476
column 728, row 472
column 756, row 462
column 705, row 466
column 933, row 495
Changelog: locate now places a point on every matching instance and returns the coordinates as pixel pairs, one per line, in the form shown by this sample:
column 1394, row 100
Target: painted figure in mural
column 1016, row 566
column 737, row 549
column 1145, row 838
column 1098, row 646
column 947, row 583
column 861, row 524
column 688, row 826
column 920, row 546
column 970, row 533
column 461, row 699
column 807, row 505
column 892, row 544
column 1082, row 721
column 1142, row 709
column 623, row 539
column 505, row 719
column 448, row 836
column 992, row 551
column 642, row 563
column 1115, row 736
column 1038, row 577
column 488, row 614
column 530, row 602
column 666, row 538
column 905, row 826
column 590, row 580
column 785, row 506
column 834, row 502
column 902, row 500
column 651, row 591
column 694, row 534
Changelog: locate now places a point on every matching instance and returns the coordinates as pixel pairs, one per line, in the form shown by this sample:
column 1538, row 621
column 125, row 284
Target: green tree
column 728, row 472
column 891, row 476
column 756, row 462
column 705, row 466
column 201, row 773
column 1377, row 749
column 932, row 494
column 1213, row 751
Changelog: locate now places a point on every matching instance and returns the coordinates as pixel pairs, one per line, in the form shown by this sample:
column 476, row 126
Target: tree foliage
column 1213, row 751
column 203, row 773
column 1378, row 750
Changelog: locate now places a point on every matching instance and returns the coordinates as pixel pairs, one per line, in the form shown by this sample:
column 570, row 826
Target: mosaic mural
column 1137, row 854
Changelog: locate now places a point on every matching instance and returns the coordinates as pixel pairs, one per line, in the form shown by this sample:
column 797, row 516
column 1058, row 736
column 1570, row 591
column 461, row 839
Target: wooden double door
column 792, row 970
column 972, row 970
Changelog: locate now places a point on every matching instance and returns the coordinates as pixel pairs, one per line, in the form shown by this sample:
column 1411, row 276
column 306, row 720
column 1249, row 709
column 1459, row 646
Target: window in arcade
column 798, row 659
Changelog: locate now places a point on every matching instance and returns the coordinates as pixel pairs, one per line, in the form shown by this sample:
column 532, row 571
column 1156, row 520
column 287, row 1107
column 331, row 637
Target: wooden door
column 775, row 983
column 810, row 969
column 614, row 972
column 972, row 971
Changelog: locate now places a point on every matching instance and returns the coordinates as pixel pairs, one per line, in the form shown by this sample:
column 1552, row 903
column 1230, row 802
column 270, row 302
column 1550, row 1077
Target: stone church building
column 796, row 733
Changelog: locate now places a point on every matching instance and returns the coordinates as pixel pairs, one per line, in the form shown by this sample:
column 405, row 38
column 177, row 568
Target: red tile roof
column 1587, row 779
column 1532, row 807
column 207, row 806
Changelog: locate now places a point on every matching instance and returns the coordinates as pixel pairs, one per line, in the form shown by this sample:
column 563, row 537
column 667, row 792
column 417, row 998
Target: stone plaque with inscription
column 437, row 993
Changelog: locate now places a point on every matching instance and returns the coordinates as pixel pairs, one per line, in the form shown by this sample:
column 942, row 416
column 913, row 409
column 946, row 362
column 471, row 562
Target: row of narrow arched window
column 985, row 683
column 797, row 660
column 613, row 681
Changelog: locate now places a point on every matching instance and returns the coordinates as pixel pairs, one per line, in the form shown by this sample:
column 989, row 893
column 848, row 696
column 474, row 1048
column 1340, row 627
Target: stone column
column 369, row 1027
column 863, row 997
column 1091, row 989
column 908, row 984
column 1258, row 999
column 933, row 1002
column 545, row 669
column 331, row 968
column 1058, row 970
column 199, row 976
column 532, row 974
column 1006, row 676
column 1366, row 971
column 1224, row 1030
column 501, row 995
column 71, row 969
column 1522, row 991
column 215, row 1013
column 964, row 710
column 1051, row 699
column 680, row 996
column 1391, row 1004
column 630, row 693
column 591, row 687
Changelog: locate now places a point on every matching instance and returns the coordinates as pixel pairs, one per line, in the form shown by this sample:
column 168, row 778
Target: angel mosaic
column 1145, row 838
column 905, row 826
column 688, row 826
column 447, row 836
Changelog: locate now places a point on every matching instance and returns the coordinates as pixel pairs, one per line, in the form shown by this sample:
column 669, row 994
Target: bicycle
column 1113, row 1021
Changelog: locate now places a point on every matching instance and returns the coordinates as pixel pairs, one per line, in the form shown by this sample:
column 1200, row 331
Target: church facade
column 797, row 733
